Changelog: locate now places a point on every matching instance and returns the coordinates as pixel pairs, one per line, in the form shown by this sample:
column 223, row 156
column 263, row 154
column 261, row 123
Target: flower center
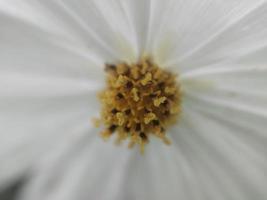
column 140, row 100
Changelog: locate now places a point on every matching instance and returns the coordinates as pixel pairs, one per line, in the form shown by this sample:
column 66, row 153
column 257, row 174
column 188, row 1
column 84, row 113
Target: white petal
column 198, row 33
column 246, row 35
column 226, row 158
column 36, row 112
column 237, row 87
column 226, row 113
column 27, row 134
column 156, row 176
column 146, row 18
column 52, row 166
column 81, row 169
column 26, row 48
column 107, row 22
column 106, row 172
column 98, row 29
column 225, row 107
column 47, row 88
column 139, row 15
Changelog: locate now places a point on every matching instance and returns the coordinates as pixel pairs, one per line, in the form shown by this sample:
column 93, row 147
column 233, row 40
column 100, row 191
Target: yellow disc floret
column 140, row 100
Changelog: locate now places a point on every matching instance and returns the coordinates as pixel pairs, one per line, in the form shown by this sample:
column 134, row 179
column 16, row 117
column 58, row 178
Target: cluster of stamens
column 140, row 100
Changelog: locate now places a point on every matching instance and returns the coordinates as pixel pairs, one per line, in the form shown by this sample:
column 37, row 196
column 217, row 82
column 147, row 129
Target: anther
column 143, row 136
column 120, row 118
column 159, row 101
column 135, row 94
column 153, row 95
column 165, row 103
column 149, row 117
column 156, row 122
column 146, row 110
column 167, row 113
column 120, row 96
column 129, row 85
column 161, row 85
column 114, row 111
column 146, row 79
column 127, row 129
column 112, row 128
column 127, row 112
column 138, row 127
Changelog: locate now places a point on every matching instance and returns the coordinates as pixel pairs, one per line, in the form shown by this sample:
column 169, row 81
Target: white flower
column 52, row 55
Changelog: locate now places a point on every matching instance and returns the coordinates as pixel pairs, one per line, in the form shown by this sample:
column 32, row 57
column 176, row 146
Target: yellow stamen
column 159, row 101
column 147, row 79
column 140, row 100
column 149, row 117
column 135, row 94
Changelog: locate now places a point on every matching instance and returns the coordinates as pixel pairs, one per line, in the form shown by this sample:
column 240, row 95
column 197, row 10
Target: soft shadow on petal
column 149, row 18
column 46, row 176
column 26, row 48
column 238, row 87
column 145, row 17
column 28, row 134
column 81, row 169
column 138, row 15
column 107, row 172
column 210, row 31
column 225, row 112
column 155, row 175
column 87, row 24
column 46, row 91
column 227, row 158
column 106, row 23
